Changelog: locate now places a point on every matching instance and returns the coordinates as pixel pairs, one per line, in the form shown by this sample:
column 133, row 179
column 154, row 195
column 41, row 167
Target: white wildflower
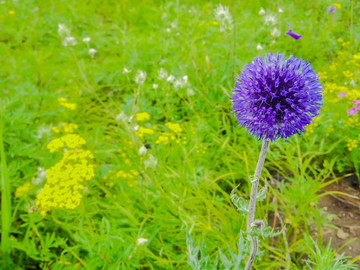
column 151, row 162
column 275, row 32
column 262, row 12
column 86, row 39
column 121, row 117
column 135, row 127
column 140, row 77
column 92, row 52
column 259, row 47
column 173, row 25
column 170, row 78
column 177, row 34
column 155, row 86
column 223, row 16
column 43, row 130
column 63, row 31
column 162, row 74
column 177, row 84
column 353, row 83
column 190, row 92
column 39, row 177
column 125, row 71
column 168, row 30
column 141, row 241
column 280, row 10
column 270, row 19
column 142, row 150
column 180, row 83
column 69, row 41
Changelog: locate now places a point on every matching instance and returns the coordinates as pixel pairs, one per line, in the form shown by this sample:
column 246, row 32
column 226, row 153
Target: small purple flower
column 276, row 97
column 331, row 10
column 292, row 34
column 342, row 94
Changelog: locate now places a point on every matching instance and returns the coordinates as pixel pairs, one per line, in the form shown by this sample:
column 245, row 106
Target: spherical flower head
column 276, row 97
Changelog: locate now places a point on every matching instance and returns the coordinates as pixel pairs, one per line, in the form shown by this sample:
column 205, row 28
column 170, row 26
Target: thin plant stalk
column 252, row 204
column 5, row 202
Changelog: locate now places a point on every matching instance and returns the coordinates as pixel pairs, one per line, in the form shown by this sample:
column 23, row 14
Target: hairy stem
column 252, row 205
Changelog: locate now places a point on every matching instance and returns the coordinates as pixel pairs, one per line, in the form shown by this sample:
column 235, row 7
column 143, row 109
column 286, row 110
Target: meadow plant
column 274, row 97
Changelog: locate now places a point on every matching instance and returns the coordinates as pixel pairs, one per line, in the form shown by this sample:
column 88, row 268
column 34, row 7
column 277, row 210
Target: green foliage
column 325, row 258
column 199, row 259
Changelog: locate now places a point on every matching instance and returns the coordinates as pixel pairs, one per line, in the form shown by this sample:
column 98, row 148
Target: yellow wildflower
column 142, row 131
column 329, row 130
column 351, row 144
column 333, row 66
column 55, row 129
column 340, row 40
column 175, row 127
column 68, row 140
column 73, row 140
column 11, row 12
column 356, row 56
column 64, row 181
column 348, row 74
column 55, row 144
column 64, row 103
column 69, row 128
column 20, row 191
column 322, row 75
column 337, row 5
column 143, row 116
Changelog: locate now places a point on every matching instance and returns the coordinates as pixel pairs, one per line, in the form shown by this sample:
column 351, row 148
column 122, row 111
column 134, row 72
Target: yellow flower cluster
column 329, row 130
column 67, row 141
column 130, row 176
column 175, row 127
column 200, row 149
column 64, row 180
column 352, row 121
column 20, row 191
column 143, row 116
column 351, row 144
column 66, row 104
column 322, row 75
column 142, row 131
column 165, row 138
column 125, row 175
column 348, row 74
column 333, row 66
column 310, row 128
column 66, row 127
column 337, row 5
column 174, row 135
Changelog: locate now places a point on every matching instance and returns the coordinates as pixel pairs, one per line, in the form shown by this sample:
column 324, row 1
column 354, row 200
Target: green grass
column 190, row 186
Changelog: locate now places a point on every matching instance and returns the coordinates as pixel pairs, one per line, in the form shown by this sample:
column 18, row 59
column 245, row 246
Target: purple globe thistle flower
column 275, row 97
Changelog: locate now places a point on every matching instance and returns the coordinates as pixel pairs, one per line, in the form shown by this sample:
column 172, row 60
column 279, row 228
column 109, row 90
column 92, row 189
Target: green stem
column 252, row 204
column 5, row 202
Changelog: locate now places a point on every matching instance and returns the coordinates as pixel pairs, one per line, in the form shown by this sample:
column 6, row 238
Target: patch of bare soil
column 345, row 205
